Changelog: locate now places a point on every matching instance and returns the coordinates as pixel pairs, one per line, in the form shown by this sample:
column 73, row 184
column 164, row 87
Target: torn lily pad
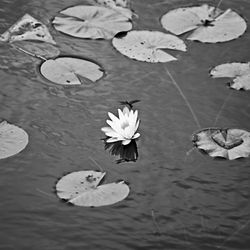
column 226, row 143
column 70, row 71
column 12, row 139
column 81, row 189
column 240, row 72
column 27, row 28
column 148, row 46
column 94, row 22
column 122, row 6
column 208, row 24
column 114, row 3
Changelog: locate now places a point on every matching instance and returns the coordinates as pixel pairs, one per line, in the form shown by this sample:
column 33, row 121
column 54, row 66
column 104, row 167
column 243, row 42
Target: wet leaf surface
column 93, row 22
column 70, row 71
column 81, row 189
column 148, row 45
column 209, row 24
column 27, row 28
column 226, row 143
column 240, row 72
column 12, row 139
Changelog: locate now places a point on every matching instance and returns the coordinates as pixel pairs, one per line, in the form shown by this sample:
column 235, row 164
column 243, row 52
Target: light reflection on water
column 198, row 202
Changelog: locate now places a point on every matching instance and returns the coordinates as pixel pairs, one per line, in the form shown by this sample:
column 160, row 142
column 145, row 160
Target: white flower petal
column 107, row 129
column 126, row 142
column 110, row 140
column 113, row 117
column 126, row 110
column 136, row 135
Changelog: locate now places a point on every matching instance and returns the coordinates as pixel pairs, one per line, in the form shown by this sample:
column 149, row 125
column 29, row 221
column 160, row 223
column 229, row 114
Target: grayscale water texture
column 180, row 199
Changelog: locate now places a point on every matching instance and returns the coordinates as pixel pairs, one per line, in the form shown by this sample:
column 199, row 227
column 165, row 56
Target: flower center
column 124, row 125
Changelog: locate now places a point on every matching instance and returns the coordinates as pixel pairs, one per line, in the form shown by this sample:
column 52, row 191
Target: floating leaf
column 91, row 22
column 81, row 189
column 227, row 143
column 114, row 3
column 12, row 139
column 117, row 5
column 70, row 71
column 27, row 28
column 148, row 46
column 240, row 72
column 210, row 24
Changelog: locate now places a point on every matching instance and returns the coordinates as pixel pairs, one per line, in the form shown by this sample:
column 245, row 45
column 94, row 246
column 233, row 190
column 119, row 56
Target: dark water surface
column 180, row 199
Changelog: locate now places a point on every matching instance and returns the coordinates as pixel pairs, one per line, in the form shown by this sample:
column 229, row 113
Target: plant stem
column 98, row 165
column 184, row 98
column 218, row 4
column 221, row 109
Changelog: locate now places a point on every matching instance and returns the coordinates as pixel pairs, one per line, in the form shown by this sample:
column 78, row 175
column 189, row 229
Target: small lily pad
column 27, row 28
column 70, row 71
column 12, row 139
column 240, row 72
column 81, row 189
column 94, row 22
column 148, row 46
column 209, row 24
column 226, row 143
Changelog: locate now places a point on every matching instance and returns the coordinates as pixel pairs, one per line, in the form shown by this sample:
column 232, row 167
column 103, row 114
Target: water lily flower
column 122, row 128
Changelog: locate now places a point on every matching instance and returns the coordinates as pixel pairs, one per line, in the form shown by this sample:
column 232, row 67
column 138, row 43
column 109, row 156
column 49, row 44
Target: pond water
column 180, row 199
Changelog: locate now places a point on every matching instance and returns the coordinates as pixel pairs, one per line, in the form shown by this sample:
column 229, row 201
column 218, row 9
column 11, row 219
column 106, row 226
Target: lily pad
column 27, row 28
column 70, row 71
column 118, row 5
column 94, row 22
column 114, row 3
column 240, row 72
column 81, row 189
column 148, row 46
column 209, row 24
column 12, row 139
column 226, row 143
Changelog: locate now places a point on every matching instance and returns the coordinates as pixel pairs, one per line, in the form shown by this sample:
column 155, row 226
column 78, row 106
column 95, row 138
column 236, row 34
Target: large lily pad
column 81, row 189
column 148, row 46
column 94, row 22
column 70, row 71
column 12, row 139
column 27, row 28
column 226, row 143
column 209, row 24
column 240, row 72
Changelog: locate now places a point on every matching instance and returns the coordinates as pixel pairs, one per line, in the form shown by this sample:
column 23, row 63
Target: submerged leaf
column 38, row 49
column 91, row 22
column 227, row 143
column 81, row 189
column 70, row 71
column 148, row 46
column 27, row 28
column 210, row 24
column 240, row 72
column 12, row 139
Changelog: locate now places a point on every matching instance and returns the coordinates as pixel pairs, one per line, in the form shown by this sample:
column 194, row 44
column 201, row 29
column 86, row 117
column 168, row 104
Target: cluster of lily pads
column 112, row 19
